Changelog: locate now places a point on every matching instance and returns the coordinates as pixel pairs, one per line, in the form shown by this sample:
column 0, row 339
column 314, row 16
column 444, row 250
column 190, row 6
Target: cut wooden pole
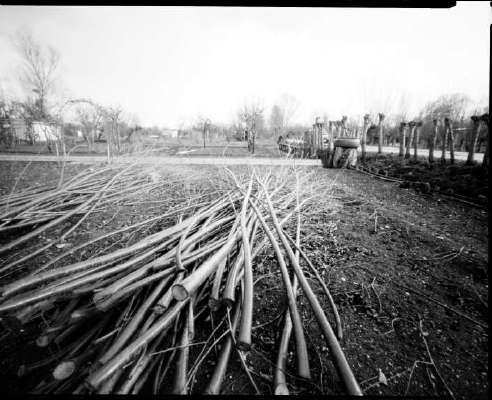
column 215, row 383
column 244, row 338
column 128, row 352
column 340, row 361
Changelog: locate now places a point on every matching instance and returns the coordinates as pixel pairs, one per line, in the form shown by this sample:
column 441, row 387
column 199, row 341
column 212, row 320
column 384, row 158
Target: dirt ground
column 466, row 181
column 387, row 254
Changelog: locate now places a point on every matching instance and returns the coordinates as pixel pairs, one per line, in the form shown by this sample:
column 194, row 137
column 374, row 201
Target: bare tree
column 276, row 122
column 38, row 70
column 452, row 106
column 432, row 144
column 485, row 119
column 412, row 125
column 418, row 127
column 91, row 117
column 477, row 122
column 402, row 130
column 114, row 116
column 380, row 132
column 448, row 126
column 7, row 112
column 289, row 105
column 204, row 125
column 400, row 118
column 251, row 115
column 364, row 135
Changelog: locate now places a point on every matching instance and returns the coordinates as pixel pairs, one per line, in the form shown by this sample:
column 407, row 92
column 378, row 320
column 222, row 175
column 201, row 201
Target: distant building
column 41, row 131
column 192, row 133
column 169, row 133
column 44, row 132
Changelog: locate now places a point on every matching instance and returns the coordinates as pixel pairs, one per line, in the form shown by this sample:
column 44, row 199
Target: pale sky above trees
column 170, row 64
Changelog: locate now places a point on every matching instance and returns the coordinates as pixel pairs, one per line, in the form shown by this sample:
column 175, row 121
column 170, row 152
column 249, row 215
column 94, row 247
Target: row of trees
column 70, row 118
column 95, row 122
column 456, row 107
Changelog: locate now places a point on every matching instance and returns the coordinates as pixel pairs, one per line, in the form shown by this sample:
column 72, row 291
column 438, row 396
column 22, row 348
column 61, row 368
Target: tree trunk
column 485, row 162
column 118, row 142
column 473, row 142
column 108, row 144
column 444, row 145
column 380, row 134
column 409, row 143
column 449, row 128
column 416, row 141
column 463, row 140
column 432, row 144
column 402, row 139
column 364, row 137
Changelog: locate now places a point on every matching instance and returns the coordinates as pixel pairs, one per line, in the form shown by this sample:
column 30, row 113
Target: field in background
column 190, row 148
column 169, row 147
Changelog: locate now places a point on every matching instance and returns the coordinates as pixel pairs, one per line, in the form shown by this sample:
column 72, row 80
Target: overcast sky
column 170, row 64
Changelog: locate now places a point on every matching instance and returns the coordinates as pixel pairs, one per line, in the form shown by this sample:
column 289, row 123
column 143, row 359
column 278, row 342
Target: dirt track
column 165, row 160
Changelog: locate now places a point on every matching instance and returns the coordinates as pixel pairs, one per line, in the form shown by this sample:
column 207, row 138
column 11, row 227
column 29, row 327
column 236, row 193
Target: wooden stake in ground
column 403, row 127
column 432, row 144
column 418, row 128
column 412, row 126
column 448, row 127
column 380, row 133
column 364, row 136
column 473, row 143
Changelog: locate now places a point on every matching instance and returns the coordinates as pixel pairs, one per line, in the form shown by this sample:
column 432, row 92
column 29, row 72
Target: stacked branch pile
column 125, row 321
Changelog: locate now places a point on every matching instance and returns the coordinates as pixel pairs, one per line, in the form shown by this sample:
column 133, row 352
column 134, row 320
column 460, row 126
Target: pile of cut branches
column 42, row 209
column 124, row 321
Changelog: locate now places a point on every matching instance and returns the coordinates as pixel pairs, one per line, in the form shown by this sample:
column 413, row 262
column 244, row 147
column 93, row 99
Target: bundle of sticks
column 41, row 209
column 122, row 321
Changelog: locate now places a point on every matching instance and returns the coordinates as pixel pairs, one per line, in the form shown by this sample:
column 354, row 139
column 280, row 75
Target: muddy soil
column 387, row 254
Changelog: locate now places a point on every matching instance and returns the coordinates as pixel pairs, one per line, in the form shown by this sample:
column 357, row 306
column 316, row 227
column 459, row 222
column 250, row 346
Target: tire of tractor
column 348, row 143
